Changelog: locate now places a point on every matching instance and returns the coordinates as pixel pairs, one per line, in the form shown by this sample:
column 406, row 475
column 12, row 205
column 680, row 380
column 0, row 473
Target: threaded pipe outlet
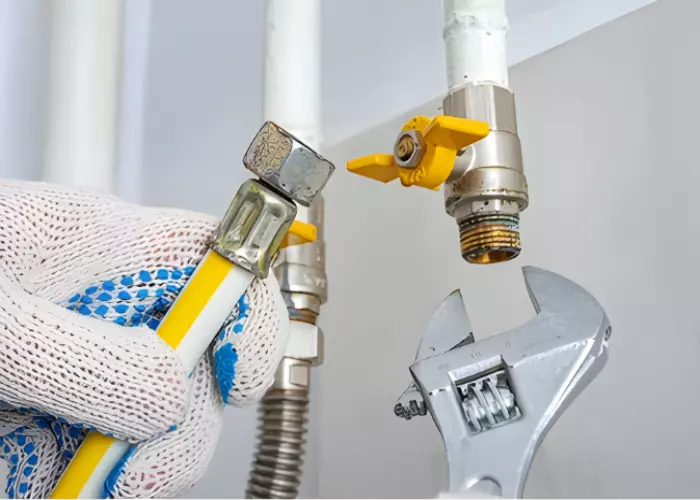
column 489, row 238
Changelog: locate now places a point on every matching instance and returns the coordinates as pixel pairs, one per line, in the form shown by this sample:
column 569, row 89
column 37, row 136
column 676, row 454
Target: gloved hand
column 84, row 281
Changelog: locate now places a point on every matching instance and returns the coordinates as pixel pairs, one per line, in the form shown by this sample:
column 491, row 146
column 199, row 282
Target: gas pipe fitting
column 487, row 189
column 303, row 282
column 474, row 149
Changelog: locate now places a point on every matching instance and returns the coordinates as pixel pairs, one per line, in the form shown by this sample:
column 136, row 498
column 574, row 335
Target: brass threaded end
column 303, row 315
column 490, row 238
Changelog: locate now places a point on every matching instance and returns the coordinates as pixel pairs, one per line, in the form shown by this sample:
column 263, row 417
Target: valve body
column 487, row 188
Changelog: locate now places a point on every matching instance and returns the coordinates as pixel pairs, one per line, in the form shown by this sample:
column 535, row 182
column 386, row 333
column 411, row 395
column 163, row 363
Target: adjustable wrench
column 494, row 400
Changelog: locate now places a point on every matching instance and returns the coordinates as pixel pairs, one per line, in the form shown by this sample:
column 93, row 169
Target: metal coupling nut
column 305, row 342
column 487, row 188
column 304, row 350
column 254, row 226
column 409, row 148
column 287, row 164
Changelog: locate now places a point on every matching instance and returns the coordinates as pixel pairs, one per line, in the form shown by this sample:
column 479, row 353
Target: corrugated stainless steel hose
column 277, row 467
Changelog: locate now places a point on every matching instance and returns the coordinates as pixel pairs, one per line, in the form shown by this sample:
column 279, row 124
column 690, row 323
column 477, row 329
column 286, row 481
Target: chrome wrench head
column 494, row 400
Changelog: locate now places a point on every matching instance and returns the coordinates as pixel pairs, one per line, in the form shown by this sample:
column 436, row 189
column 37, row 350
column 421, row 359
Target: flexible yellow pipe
column 189, row 326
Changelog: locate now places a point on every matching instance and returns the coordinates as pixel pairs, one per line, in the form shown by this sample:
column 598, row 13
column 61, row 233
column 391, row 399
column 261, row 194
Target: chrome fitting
column 292, row 375
column 287, row 164
column 487, row 188
column 301, row 270
column 304, row 350
column 254, row 226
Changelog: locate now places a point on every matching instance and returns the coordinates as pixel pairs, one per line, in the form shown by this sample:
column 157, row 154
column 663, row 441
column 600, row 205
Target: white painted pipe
column 132, row 107
column 23, row 72
column 475, row 42
column 84, row 80
column 293, row 72
column 293, row 67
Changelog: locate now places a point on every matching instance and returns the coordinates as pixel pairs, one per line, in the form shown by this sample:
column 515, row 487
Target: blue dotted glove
column 175, row 419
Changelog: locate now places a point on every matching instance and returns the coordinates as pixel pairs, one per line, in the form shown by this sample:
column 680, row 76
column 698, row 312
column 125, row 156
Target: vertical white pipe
column 475, row 42
column 293, row 67
column 137, row 20
column 293, row 71
column 84, row 80
column 23, row 60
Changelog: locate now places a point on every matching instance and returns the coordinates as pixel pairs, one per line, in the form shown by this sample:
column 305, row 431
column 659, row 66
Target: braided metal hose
column 277, row 466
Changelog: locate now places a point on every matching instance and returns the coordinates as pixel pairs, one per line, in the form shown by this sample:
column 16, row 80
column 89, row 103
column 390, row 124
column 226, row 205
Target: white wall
column 608, row 125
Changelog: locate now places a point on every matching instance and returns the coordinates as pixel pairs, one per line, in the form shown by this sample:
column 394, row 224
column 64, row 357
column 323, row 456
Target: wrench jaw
column 561, row 298
column 590, row 369
column 494, row 401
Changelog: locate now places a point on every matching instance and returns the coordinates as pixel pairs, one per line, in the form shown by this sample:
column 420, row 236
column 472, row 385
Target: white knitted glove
column 76, row 269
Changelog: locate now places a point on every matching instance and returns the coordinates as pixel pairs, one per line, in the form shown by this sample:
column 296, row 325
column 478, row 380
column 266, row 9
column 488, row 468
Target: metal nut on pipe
column 305, row 342
column 286, row 163
column 487, row 189
column 292, row 375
